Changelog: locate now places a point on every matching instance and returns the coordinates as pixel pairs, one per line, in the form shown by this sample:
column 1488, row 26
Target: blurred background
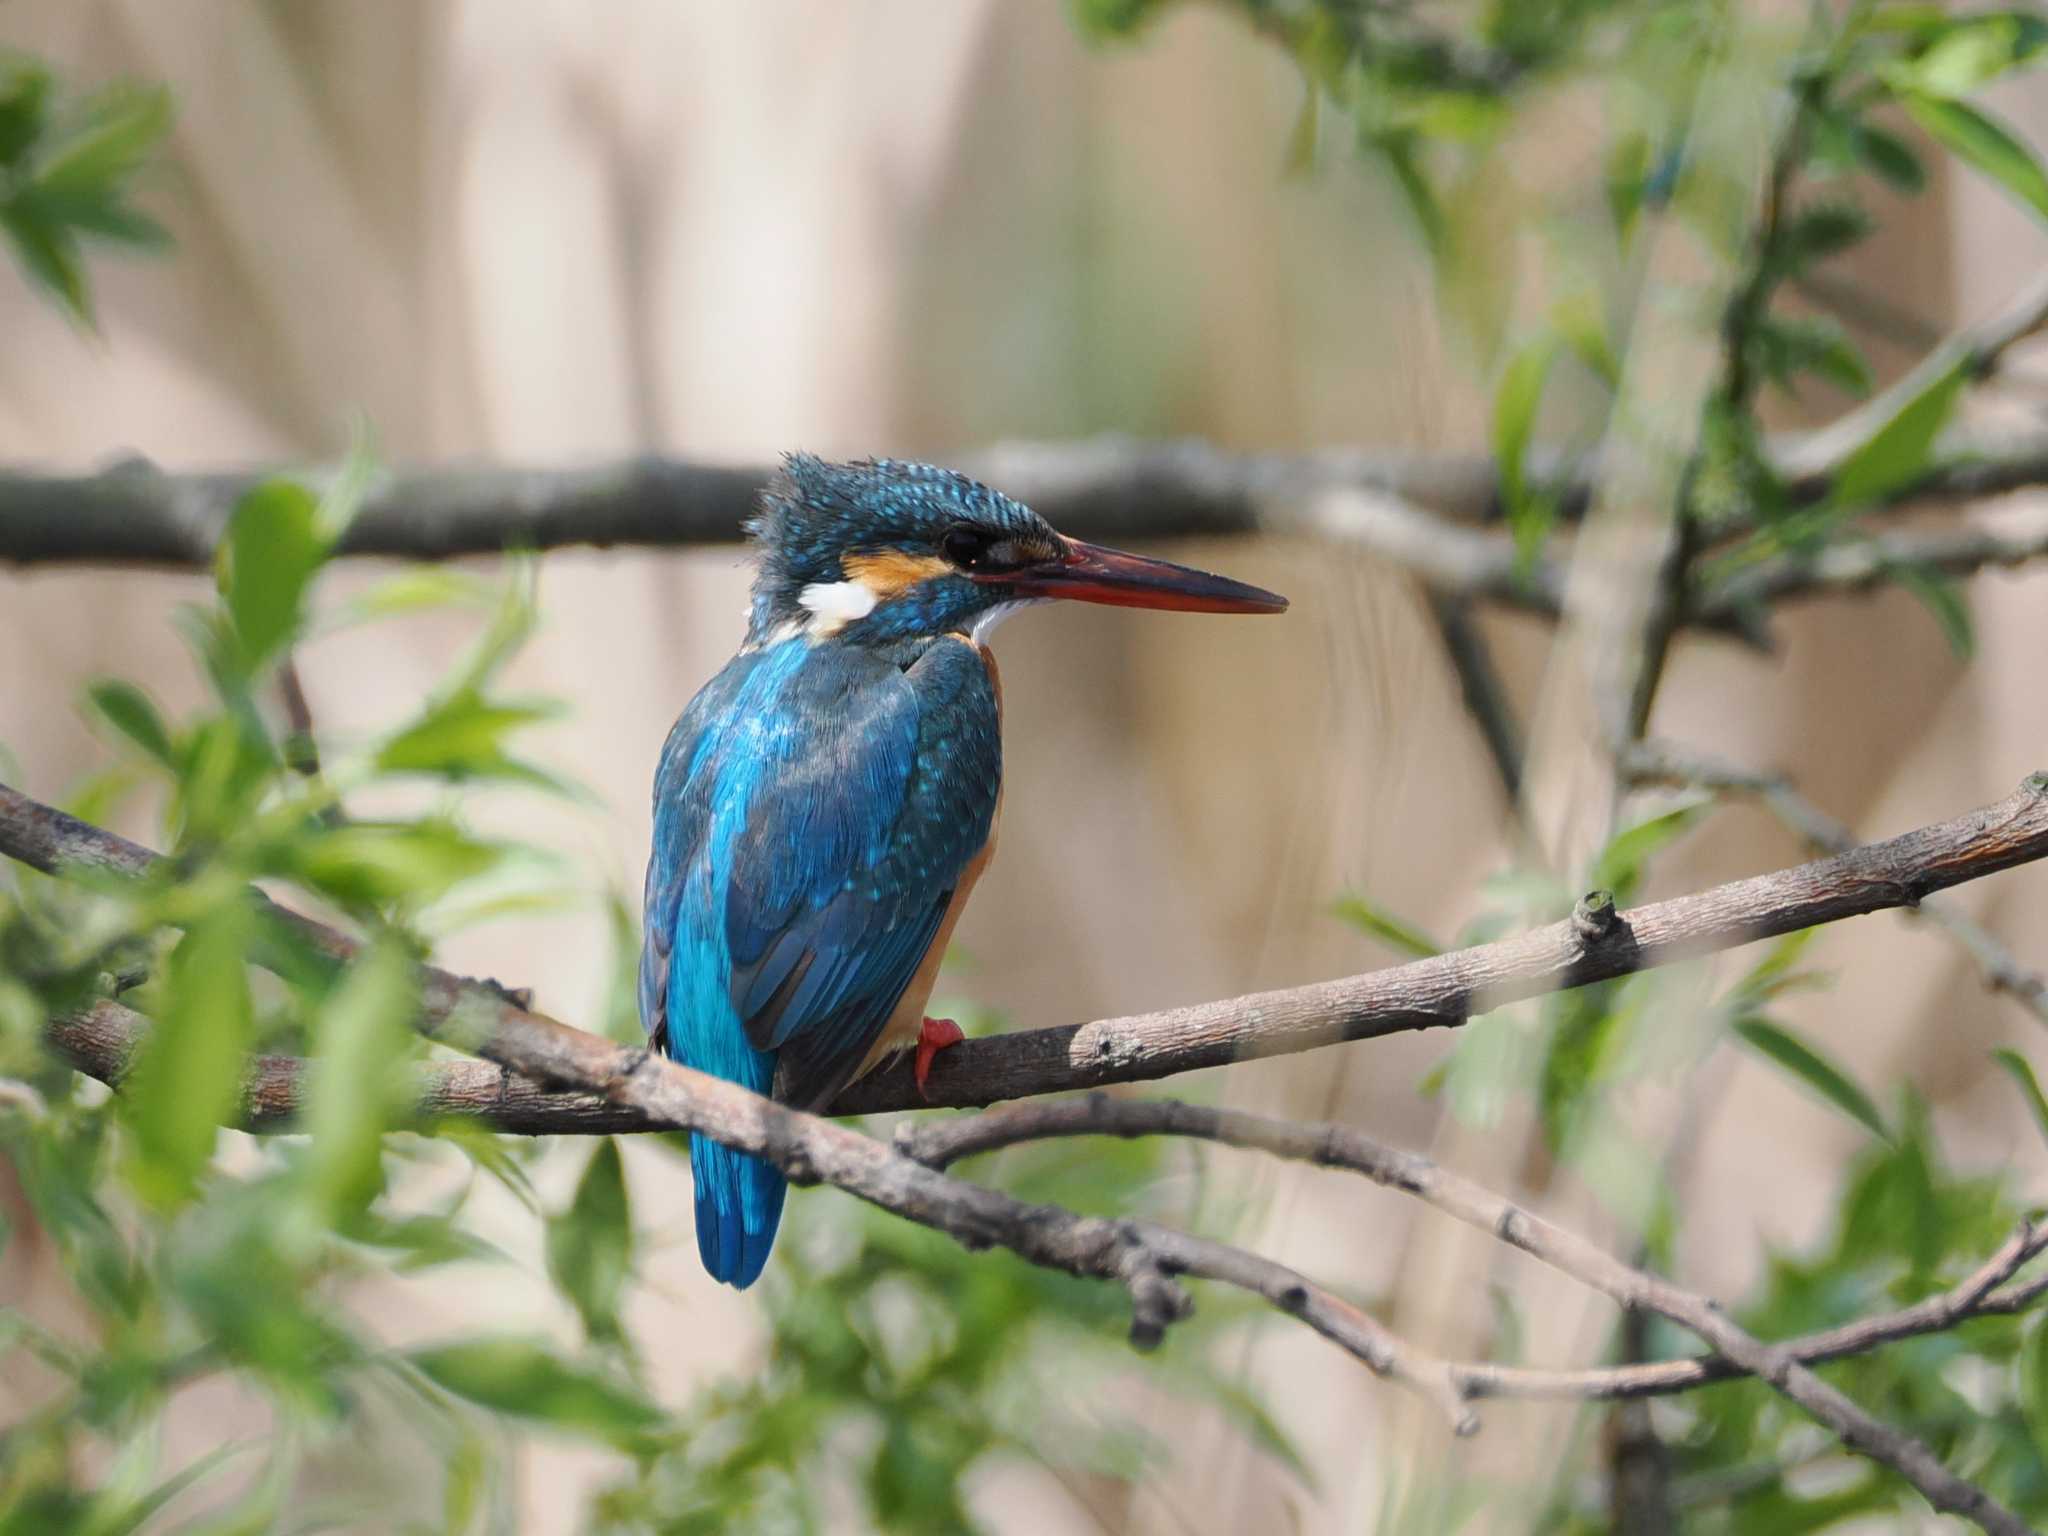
column 555, row 233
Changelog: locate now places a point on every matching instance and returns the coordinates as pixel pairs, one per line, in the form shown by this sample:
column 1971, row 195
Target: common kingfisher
column 824, row 805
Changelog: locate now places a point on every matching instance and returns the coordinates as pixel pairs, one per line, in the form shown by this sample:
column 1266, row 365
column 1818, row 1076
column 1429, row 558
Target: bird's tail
column 739, row 1206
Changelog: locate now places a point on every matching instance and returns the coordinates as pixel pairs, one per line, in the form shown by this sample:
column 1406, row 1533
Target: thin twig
column 1479, row 682
column 940, row 1144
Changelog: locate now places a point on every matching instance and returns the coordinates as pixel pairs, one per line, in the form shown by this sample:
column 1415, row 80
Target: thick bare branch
column 1442, row 991
column 939, row 1144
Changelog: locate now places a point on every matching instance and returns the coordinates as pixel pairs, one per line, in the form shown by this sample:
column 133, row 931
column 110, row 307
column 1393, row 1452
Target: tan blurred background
column 552, row 232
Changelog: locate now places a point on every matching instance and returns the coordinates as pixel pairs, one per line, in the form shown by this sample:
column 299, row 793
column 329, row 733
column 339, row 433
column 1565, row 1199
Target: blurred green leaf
column 590, row 1245
column 1970, row 51
column 1895, row 454
column 1384, row 926
column 1619, row 867
column 24, row 107
column 359, row 1077
column 122, row 128
column 1787, row 348
column 1945, row 598
column 266, row 562
column 2021, row 1071
column 187, row 1079
column 463, row 736
column 49, row 254
column 1516, row 399
column 376, row 863
column 1985, row 143
column 224, row 765
column 130, row 711
column 1809, row 1066
column 1890, row 158
column 524, row 1379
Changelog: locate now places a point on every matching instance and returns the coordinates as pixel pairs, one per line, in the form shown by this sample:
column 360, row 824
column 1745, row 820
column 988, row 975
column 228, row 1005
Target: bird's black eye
column 966, row 547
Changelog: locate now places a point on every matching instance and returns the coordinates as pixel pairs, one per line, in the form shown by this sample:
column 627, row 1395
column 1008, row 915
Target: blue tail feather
column 739, row 1206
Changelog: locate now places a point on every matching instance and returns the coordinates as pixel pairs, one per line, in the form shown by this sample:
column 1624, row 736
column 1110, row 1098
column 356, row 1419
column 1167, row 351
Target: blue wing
column 814, row 811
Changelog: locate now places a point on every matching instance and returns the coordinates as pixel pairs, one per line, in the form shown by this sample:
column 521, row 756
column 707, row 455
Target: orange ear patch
column 888, row 572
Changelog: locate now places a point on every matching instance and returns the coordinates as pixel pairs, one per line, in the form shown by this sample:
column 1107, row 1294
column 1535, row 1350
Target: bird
column 825, row 804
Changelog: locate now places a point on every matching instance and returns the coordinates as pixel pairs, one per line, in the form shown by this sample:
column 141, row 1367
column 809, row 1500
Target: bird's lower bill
column 1090, row 573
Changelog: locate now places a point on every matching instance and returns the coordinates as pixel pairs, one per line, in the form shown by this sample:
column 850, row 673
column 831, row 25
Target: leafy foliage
column 68, row 169
column 902, row 1366
column 202, row 1253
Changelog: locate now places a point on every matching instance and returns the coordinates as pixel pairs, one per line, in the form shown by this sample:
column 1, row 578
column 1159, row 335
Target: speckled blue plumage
column 814, row 810
column 815, row 511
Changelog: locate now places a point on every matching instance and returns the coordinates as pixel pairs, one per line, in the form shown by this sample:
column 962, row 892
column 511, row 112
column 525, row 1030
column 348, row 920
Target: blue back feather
column 814, row 809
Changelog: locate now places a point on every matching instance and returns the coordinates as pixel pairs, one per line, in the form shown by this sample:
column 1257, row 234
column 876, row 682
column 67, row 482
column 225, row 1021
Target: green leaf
column 2033, row 1374
column 1627, row 175
column 1970, row 52
column 129, row 710
column 1619, row 867
column 462, row 736
column 523, row 1379
column 2021, row 1071
column 1776, row 974
column 372, row 863
column 590, row 1245
column 265, row 564
column 187, row 1079
column 1787, row 346
column 1384, row 926
column 24, row 107
column 418, row 588
column 1821, row 230
column 1892, row 456
column 1945, row 599
column 1802, row 1061
column 49, row 254
column 1516, row 400
column 1984, row 142
column 125, row 125
column 360, row 1076
column 106, row 217
column 1405, row 161
column 1890, row 158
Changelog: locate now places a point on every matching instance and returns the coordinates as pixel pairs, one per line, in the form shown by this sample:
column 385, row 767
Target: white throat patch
column 835, row 604
column 991, row 617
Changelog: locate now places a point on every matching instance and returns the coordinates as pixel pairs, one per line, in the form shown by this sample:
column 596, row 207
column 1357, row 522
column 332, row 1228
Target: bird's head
column 882, row 550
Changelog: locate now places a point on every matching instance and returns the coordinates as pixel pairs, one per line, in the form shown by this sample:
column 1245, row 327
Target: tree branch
column 1401, row 506
column 100, row 1039
column 1148, row 1260
column 1442, row 991
column 939, row 1144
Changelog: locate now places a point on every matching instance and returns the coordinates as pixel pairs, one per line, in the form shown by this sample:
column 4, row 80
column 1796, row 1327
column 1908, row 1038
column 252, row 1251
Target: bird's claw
column 932, row 1037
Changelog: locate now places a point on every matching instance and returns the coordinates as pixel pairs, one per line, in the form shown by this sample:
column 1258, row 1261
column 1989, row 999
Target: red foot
column 933, row 1038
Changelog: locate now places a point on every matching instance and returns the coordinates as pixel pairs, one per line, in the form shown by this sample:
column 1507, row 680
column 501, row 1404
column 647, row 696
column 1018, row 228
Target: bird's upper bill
column 1091, row 573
